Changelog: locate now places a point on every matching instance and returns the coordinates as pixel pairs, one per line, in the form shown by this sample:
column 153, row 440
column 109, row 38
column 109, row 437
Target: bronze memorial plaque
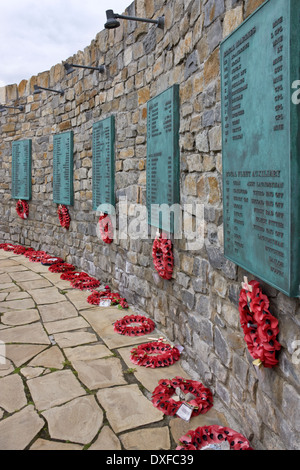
column 260, row 73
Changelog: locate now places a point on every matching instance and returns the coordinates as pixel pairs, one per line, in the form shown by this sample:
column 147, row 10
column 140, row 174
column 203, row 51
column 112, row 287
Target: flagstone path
column 66, row 379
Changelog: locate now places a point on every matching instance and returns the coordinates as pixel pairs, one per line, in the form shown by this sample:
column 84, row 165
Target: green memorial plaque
column 104, row 164
column 63, row 192
column 260, row 67
column 163, row 159
column 21, row 170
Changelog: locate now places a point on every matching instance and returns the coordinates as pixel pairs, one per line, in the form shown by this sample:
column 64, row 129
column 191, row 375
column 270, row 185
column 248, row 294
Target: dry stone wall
column 199, row 307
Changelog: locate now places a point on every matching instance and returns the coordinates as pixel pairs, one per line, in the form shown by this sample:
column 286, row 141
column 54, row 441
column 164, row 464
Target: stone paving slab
column 12, row 394
column 56, row 312
column 77, row 421
column 52, row 358
column 54, row 389
column 126, row 407
column 49, row 295
column 100, row 373
column 147, row 439
column 87, row 353
column 33, row 333
column 19, row 354
column 18, row 430
column 74, row 338
column 43, row 444
column 106, row 440
column 20, row 317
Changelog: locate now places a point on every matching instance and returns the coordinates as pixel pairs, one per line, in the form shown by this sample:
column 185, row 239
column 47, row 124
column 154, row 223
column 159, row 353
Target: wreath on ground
column 142, row 355
column 36, row 256
column 163, row 259
column 106, row 229
column 64, row 216
column 49, row 260
column 125, row 326
column 61, row 268
column 7, row 247
column 21, row 250
column 211, row 437
column 114, row 297
column 80, row 280
column 197, row 396
column 260, row 327
column 22, row 209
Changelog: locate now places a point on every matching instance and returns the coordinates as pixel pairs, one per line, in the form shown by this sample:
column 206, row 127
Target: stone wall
column 199, row 307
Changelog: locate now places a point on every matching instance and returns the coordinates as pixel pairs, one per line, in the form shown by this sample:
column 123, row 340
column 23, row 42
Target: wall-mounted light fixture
column 70, row 68
column 3, row 107
column 38, row 89
column 112, row 20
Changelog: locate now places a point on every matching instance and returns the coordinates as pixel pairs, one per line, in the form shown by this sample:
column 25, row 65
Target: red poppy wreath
column 22, row 209
column 259, row 325
column 163, row 259
column 142, row 355
column 125, row 326
column 114, row 297
column 211, row 437
column 106, row 229
column 61, row 268
column 202, row 399
column 64, row 216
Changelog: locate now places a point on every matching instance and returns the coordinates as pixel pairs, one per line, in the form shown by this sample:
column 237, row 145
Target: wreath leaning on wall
column 22, row 209
column 259, row 325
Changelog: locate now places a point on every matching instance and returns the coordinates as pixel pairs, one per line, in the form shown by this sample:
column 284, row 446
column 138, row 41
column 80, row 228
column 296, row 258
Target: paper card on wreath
column 105, row 303
column 185, row 412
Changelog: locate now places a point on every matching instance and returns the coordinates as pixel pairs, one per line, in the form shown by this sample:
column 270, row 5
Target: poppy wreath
column 21, row 250
column 22, row 209
column 7, row 246
column 49, row 260
column 114, row 297
column 61, row 268
column 36, row 256
column 63, row 216
column 142, row 355
column 260, row 327
column 106, row 229
column 163, row 259
column 161, row 396
column 207, row 435
column 71, row 275
column 124, row 325
column 85, row 283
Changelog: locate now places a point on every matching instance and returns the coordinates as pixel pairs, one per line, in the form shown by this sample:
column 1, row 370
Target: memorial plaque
column 104, row 164
column 63, row 192
column 260, row 70
column 21, row 170
column 163, row 159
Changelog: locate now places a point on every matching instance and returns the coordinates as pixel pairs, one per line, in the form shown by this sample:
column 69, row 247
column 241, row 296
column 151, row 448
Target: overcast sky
column 37, row 34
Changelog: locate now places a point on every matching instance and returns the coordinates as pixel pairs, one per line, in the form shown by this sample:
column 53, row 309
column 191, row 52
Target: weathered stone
column 77, row 421
column 147, row 439
column 100, row 373
column 54, row 389
column 55, row 312
column 18, row 430
column 12, row 394
column 127, row 408
column 33, row 333
column 43, row 444
column 51, row 358
column 106, row 440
